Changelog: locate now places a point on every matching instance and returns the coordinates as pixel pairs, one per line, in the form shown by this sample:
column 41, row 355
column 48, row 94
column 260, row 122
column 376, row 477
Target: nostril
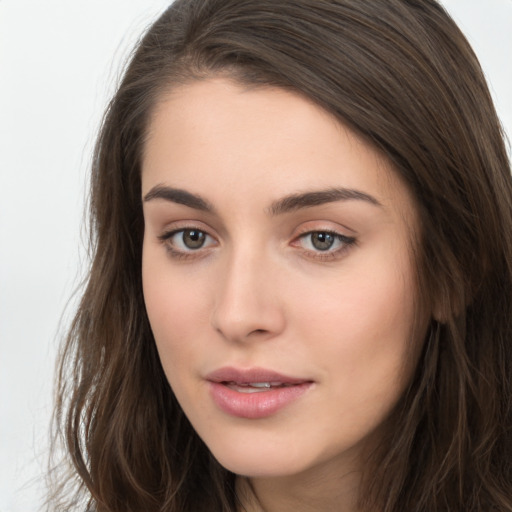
column 258, row 331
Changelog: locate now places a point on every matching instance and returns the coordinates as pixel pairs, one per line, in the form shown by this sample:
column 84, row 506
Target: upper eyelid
column 342, row 231
column 180, row 253
column 298, row 232
column 326, row 225
column 347, row 238
column 167, row 234
column 183, row 225
column 304, row 229
column 320, row 230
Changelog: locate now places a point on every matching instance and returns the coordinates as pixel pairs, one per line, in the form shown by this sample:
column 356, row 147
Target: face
column 277, row 276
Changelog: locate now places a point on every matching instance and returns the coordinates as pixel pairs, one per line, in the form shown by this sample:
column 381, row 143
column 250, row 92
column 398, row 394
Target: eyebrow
column 287, row 204
column 317, row 198
column 179, row 196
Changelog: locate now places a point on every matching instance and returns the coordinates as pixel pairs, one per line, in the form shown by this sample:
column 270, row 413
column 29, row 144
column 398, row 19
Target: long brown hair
column 401, row 74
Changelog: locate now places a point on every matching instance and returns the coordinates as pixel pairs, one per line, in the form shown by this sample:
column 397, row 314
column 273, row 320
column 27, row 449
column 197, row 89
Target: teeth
column 260, row 385
column 254, row 387
column 249, row 389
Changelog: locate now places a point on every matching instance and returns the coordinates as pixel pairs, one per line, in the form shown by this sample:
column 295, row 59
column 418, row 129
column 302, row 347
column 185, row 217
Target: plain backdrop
column 59, row 62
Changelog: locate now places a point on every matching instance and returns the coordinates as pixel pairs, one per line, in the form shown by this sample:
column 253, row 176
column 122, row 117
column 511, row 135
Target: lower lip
column 255, row 405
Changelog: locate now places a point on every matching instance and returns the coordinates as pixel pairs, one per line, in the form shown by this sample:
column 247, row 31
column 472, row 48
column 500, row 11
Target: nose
column 247, row 300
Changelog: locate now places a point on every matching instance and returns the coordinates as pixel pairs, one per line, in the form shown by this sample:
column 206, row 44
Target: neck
column 306, row 492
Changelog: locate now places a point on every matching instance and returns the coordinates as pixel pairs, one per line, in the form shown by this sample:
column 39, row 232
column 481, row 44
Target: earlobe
column 449, row 304
column 441, row 310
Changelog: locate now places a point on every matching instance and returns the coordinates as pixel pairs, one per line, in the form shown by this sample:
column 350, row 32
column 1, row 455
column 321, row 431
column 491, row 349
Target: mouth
column 255, row 387
column 255, row 393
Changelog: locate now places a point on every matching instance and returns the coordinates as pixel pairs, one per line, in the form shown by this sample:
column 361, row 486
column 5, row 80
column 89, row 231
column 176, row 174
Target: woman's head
column 395, row 79
column 399, row 74
column 276, row 251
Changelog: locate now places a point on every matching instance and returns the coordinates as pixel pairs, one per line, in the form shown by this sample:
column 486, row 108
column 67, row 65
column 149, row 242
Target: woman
column 300, row 296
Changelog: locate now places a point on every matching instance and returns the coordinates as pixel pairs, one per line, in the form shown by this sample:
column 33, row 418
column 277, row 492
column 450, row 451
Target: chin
column 256, row 459
column 259, row 467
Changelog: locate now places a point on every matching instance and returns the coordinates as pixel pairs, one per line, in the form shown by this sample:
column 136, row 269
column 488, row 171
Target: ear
column 450, row 301
column 440, row 312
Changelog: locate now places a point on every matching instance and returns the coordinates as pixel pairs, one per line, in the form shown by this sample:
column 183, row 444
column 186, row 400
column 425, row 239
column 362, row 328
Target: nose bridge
column 246, row 301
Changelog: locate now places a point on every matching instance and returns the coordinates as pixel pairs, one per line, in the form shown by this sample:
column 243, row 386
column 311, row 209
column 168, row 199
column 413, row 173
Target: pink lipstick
column 255, row 393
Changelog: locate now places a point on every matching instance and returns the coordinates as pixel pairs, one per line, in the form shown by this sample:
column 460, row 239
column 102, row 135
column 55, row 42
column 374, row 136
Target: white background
column 59, row 60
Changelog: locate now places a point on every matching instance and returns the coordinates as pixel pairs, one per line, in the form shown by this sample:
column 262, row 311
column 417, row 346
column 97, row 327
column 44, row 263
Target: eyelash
column 178, row 254
column 319, row 255
column 328, row 255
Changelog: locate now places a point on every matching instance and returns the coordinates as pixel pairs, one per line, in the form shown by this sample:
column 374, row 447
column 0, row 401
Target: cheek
column 177, row 309
column 361, row 322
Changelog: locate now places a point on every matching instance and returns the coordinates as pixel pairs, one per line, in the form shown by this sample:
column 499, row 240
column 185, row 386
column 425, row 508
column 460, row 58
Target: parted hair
column 401, row 75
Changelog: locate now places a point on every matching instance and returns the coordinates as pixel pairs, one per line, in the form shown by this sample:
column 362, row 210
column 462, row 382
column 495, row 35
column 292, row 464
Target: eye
column 322, row 241
column 191, row 238
column 327, row 242
column 186, row 240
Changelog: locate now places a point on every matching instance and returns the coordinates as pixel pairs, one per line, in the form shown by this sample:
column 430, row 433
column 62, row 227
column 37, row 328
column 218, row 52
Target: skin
column 259, row 293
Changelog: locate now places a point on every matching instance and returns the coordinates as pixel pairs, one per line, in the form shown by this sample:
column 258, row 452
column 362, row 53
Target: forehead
column 218, row 136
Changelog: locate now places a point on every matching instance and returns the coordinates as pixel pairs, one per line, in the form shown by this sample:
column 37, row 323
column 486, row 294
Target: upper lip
column 246, row 376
